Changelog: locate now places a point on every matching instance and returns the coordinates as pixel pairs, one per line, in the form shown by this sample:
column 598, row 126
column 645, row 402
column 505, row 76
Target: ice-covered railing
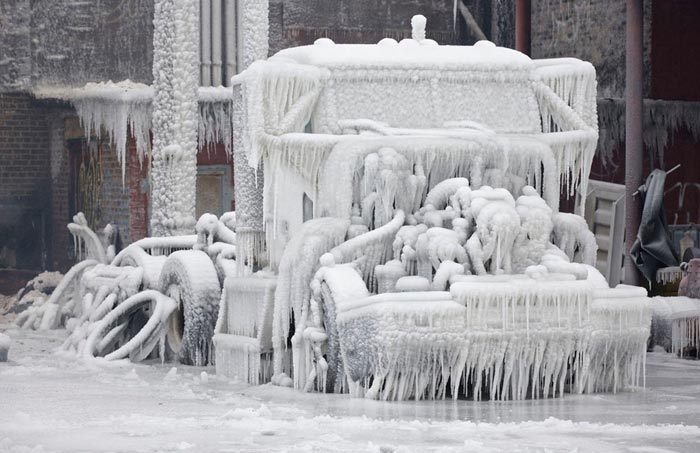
column 573, row 81
column 685, row 333
column 567, row 102
column 675, row 324
column 278, row 97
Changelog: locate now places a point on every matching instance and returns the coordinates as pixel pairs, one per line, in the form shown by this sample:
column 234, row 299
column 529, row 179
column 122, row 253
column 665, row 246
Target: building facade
column 52, row 169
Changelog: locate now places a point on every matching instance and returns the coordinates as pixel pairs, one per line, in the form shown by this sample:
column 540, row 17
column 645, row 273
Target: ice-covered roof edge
column 118, row 107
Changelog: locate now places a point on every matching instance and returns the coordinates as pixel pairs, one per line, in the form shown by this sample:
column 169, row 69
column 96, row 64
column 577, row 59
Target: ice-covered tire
column 189, row 277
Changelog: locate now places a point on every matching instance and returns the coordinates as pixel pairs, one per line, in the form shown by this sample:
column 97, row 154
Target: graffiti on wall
column 89, row 183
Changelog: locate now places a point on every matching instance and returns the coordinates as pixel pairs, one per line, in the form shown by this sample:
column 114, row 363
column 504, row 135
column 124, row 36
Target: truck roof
column 406, row 54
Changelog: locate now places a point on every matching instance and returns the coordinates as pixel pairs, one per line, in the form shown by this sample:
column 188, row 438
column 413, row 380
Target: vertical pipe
column 230, row 44
column 634, row 145
column 523, row 24
column 216, row 41
column 205, row 42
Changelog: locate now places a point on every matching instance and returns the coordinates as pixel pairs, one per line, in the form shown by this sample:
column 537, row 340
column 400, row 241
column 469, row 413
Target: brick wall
column 24, row 181
column 61, row 126
column 24, row 148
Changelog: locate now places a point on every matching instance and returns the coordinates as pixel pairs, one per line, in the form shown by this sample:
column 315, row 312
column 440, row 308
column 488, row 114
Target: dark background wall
column 301, row 22
column 66, row 42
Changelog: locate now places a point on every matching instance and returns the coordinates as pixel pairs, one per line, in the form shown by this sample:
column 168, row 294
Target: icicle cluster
column 125, row 108
column 119, row 109
column 215, row 118
column 662, row 118
column 666, row 275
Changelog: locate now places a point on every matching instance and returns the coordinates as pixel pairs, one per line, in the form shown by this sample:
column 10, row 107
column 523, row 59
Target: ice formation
column 87, row 244
column 397, row 231
column 5, row 344
column 662, row 118
column 242, row 337
column 505, row 337
column 571, row 234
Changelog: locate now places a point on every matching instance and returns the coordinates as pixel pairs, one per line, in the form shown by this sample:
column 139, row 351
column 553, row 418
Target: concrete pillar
column 523, row 24
column 634, row 145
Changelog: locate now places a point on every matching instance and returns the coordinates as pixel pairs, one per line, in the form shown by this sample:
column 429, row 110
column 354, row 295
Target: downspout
column 634, row 144
column 523, row 25
column 216, row 43
column 205, row 43
column 230, row 45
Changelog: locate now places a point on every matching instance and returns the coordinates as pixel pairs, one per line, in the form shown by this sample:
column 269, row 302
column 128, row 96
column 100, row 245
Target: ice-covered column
column 175, row 83
column 248, row 190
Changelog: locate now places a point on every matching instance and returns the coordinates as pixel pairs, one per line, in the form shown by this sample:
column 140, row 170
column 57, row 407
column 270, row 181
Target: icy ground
column 50, row 402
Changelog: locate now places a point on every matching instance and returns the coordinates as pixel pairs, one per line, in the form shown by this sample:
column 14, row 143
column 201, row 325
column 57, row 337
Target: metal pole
column 634, row 145
column 523, row 23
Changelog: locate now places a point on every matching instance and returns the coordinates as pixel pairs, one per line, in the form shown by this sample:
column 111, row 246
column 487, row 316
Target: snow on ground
column 51, row 402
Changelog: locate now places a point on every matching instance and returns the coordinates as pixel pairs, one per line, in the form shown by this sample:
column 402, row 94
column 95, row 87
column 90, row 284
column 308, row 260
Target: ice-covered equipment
column 158, row 296
column 410, row 206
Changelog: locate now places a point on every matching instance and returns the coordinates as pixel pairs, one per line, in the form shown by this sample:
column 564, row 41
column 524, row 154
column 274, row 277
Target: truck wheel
column 190, row 279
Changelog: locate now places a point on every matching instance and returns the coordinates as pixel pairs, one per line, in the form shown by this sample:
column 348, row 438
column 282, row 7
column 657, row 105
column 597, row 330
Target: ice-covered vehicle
column 409, row 229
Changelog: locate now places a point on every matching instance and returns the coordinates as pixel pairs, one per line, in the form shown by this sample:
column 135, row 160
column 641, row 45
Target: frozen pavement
column 53, row 402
